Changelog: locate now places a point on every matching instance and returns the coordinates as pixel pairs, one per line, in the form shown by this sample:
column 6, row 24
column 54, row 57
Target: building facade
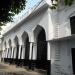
column 43, row 39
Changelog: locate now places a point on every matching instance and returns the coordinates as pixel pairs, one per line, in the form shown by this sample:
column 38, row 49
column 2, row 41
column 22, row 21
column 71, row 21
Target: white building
column 43, row 39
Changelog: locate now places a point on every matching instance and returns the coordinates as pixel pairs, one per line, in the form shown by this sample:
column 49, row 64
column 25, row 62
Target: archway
column 26, row 47
column 5, row 44
column 10, row 47
column 25, row 40
column 17, row 46
column 5, row 49
column 10, row 50
column 41, row 46
column 40, row 39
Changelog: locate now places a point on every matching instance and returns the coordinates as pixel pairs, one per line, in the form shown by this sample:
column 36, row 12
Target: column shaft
column 34, row 51
column 30, row 53
column 23, row 52
column 12, row 53
column 19, row 52
column 48, row 51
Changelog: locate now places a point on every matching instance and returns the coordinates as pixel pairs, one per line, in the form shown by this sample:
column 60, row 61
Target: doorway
column 73, row 59
column 41, row 46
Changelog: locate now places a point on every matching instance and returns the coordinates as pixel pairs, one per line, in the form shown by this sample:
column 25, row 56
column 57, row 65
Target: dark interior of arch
column 41, row 46
column 25, row 40
column 72, row 24
column 10, row 47
column 17, row 46
column 5, row 45
column 27, row 48
column 9, row 42
column 23, row 37
column 41, row 50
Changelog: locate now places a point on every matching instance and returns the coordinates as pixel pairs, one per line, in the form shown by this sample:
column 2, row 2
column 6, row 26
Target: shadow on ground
column 6, row 69
column 6, row 73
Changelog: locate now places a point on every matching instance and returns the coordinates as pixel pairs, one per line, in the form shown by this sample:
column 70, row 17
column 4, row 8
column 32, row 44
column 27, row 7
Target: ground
column 7, row 69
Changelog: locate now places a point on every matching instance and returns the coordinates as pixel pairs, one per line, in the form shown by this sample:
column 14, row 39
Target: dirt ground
column 6, row 69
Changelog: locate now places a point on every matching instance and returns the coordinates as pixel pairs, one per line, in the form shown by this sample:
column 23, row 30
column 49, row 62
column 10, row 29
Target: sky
column 29, row 4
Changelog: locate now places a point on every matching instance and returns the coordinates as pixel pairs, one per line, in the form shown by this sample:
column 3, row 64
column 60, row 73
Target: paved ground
column 6, row 69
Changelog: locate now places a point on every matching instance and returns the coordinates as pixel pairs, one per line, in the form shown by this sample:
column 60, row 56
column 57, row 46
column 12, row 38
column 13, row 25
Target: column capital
column 31, row 42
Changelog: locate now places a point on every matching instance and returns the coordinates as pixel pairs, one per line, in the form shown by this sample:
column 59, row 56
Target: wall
column 61, row 59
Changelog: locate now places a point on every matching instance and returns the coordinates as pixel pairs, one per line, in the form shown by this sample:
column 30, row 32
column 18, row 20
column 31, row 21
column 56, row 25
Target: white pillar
column 12, row 53
column 23, row 52
column 6, row 52
column 30, row 52
column 3, row 54
column 20, row 45
column 34, row 51
column 15, row 49
column 9, row 52
column 48, row 51
column 19, row 51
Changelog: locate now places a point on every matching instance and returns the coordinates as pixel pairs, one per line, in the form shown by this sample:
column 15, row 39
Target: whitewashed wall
column 61, row 58
column 40, row 19
column 57, row 25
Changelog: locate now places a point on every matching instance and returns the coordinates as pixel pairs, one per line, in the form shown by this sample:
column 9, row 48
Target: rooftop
column 25, row 15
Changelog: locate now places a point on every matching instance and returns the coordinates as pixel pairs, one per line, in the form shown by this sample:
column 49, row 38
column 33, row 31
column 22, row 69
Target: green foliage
column 68, row 2
column 8, row 8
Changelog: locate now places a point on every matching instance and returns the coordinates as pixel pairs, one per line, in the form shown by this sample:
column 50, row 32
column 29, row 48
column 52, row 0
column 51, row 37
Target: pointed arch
column 40, row 36
column 25, row 40
column 24, row 36
column 37, row 30
column 5, row 44
column 41, row 47
column 10, row 48
column 9, row 42
column 16, row 41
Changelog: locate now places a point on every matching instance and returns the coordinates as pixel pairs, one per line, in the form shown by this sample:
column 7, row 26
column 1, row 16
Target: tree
column 8, row 8
column 66, row 2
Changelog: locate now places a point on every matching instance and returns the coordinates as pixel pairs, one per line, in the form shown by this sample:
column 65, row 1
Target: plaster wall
column 61, row 57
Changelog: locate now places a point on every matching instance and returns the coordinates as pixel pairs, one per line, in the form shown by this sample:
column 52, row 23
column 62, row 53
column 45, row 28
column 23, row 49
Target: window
column 72, row 24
